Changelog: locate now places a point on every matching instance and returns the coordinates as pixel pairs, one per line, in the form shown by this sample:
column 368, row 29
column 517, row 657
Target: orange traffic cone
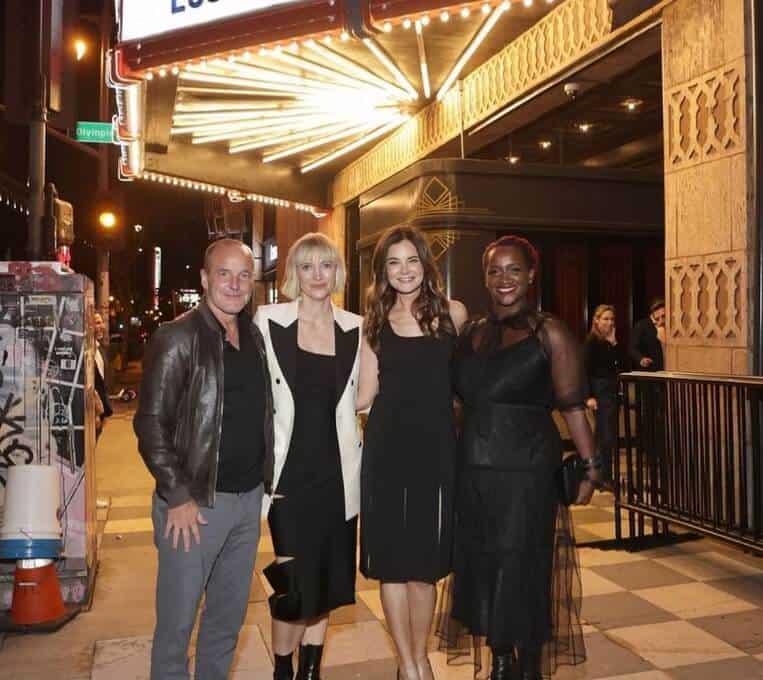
column 36, row 593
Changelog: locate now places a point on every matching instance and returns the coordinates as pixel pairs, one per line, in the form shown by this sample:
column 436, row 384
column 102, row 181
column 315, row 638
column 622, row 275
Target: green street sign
column 94, row 133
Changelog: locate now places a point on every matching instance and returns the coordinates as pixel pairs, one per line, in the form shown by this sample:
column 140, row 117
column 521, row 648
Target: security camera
column 572, row 90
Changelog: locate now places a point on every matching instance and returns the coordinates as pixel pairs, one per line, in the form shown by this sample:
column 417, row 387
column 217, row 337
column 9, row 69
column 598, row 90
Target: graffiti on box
column 42, row 396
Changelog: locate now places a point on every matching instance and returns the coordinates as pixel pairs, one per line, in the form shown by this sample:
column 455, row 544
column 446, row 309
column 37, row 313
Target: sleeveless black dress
column 308, row 522
column 408, row 463
column 516, row 582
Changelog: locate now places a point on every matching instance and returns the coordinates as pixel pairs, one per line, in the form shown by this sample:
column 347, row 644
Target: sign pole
column 37, row 130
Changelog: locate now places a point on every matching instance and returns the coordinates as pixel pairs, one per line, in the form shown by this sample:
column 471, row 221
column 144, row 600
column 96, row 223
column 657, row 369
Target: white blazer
column 278, row 324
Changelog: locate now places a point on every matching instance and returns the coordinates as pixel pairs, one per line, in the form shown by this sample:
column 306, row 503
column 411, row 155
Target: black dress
column 516, row 582
column 307, row 522
column 408, row 463
column 602, row 364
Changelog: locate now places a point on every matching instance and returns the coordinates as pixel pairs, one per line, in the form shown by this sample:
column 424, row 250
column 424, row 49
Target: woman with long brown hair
column 410, row 446
column 603, row 361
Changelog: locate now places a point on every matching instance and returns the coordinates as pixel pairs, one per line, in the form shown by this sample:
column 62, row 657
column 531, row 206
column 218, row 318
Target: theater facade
column 620, row 136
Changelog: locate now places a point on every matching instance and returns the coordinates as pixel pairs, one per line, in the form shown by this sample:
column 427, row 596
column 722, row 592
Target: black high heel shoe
column 283, row 669
column 504, row 666
column 309, row 662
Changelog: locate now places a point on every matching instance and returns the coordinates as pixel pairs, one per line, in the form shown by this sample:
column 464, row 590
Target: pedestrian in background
column 313, row 350
column 603, row 362
column 103, row 408
column 205, row 431
column 646, row 342
column 409, row 455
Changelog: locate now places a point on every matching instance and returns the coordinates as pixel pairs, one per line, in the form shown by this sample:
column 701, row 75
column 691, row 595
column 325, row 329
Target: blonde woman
column 313, row 355
column 603, row 362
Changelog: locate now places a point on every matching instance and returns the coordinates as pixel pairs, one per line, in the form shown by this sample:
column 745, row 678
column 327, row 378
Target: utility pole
column 37, row 131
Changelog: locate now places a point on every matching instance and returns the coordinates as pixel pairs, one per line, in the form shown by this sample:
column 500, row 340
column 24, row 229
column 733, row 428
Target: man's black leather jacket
column 179, row 416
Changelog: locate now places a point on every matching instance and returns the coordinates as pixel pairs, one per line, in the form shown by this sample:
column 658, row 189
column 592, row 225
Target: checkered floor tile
column 690, row 608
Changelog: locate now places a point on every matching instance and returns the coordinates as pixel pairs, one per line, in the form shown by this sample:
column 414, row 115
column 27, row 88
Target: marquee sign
column 140, row 19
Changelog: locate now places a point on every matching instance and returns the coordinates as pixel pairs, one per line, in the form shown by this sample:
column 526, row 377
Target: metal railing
column 692, row 456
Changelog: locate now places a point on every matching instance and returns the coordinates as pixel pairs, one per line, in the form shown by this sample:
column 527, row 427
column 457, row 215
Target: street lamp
column 107, row 219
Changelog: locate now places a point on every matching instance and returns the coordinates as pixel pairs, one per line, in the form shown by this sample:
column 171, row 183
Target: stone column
column 709, row 186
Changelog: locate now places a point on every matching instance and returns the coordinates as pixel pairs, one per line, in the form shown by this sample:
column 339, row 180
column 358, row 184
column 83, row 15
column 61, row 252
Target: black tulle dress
column 516, row 581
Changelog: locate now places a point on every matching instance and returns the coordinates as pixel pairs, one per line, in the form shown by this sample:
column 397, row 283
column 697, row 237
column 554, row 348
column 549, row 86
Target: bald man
column 205, row 431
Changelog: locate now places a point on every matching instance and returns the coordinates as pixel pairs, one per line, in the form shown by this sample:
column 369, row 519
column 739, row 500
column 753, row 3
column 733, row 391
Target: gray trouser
column 222, row 567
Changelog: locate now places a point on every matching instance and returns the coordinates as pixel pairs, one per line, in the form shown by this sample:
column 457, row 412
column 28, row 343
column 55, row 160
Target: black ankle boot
column 529, row 664
column 283, row 668
column 504, row 666
column 309, row 662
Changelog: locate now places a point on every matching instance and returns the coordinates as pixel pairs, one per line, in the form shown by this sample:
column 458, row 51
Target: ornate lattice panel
column 707, row 301
column 705, row 117
column 558, row 39
column 561, row 37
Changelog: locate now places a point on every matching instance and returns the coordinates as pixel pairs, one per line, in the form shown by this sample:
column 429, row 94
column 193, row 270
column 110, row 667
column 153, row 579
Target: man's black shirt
column 242, row 442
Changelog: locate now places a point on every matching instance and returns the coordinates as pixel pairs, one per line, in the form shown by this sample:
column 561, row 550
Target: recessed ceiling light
column 406, row 23
column 545, row 144
column 465, row 12
column 584, row 127
column 425, row 20
column 632, row 104
column 387, row 27
column 486, row 9
column 444, row 16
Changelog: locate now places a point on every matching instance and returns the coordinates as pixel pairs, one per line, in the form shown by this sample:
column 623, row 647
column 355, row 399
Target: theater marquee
column 142, row 19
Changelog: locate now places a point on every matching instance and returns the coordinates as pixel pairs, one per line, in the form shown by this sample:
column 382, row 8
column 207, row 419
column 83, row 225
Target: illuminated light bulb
column 444, row 16
column 485, row 9
column 162, row 72
column 149, row 76
column 262, row 51
column 465, row 12
column 545, row 144
column 327, row 39
column 387, row 27
column 247, row 55
column 513, row 160
column 80, row 49
column 175, row 70
column 425, row 20
column 345, row 36
column 584, row 127
column 407, row 23
column 527, row 3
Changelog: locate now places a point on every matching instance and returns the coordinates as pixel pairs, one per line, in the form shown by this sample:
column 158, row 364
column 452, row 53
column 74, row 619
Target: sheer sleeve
column 567, row 369
column 568, row 377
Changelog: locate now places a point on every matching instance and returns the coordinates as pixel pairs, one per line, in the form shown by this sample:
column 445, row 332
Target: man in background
column 645, row 348
column 102, row 404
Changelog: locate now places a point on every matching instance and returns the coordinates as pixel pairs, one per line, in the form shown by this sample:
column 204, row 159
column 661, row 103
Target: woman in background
column 603, row 361
column 410, row 444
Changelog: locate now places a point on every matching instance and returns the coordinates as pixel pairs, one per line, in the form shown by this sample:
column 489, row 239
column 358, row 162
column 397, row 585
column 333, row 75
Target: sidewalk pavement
column 688, row 611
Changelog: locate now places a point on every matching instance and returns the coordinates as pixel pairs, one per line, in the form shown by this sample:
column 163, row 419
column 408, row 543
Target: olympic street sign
column 141, row 19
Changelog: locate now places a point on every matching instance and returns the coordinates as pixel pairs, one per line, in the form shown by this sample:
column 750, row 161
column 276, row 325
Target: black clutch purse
column 571, row 474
